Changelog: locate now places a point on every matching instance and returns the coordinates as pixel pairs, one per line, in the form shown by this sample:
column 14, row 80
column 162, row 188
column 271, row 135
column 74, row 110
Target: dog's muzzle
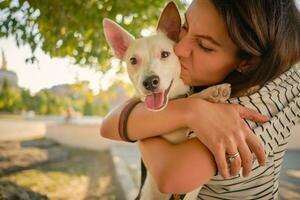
column 157, row 100
column 151, row 83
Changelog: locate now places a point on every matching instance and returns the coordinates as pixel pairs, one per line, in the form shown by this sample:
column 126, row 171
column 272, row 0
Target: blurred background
column 58, row 79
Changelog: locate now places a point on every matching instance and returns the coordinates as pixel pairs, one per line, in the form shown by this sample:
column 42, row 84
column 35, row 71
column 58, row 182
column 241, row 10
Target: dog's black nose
column 151, row 83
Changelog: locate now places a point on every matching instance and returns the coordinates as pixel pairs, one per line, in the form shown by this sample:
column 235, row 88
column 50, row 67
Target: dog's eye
column 133, row 61
column 164, row 54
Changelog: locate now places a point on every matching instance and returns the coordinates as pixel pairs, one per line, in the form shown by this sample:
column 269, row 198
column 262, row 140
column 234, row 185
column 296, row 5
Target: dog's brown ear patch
column 170, row 22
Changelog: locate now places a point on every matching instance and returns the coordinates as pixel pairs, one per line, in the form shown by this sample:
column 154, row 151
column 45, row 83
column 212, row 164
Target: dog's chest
column 178, row 136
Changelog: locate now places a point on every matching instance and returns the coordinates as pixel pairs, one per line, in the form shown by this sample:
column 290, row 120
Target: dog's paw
column 220, row 93
column 215, row 94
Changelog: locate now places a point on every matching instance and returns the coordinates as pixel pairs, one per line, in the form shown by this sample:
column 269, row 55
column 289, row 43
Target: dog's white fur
column 148, row 51
column 149, row 62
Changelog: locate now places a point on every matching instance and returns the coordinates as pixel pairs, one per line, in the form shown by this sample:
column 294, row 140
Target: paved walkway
column 290, row 176
column 126, row 158
column 82, row 135
column 21, row 130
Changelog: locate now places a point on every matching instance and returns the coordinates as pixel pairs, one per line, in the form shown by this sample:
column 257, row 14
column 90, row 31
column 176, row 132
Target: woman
column 247, row 43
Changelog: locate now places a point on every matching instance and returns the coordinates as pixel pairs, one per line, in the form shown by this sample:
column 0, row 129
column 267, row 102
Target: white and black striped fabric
column 279, row 99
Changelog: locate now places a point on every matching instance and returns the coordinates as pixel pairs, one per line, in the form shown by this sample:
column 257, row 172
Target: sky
column 50, row 71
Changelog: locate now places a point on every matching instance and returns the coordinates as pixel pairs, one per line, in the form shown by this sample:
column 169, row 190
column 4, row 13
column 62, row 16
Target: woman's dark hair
column 269, row 29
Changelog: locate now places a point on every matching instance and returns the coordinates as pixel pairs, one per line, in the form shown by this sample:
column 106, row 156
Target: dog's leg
column 193, row 194
column 150, row 190
column 215, row 94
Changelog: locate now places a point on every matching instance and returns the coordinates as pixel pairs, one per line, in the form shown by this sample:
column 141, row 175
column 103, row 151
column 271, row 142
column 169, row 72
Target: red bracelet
column 124, row 118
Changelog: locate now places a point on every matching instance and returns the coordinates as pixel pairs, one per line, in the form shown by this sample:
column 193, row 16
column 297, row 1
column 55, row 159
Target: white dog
column 154, row 70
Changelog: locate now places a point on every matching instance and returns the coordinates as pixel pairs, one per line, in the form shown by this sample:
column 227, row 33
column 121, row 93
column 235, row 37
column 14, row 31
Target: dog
column 154, row 70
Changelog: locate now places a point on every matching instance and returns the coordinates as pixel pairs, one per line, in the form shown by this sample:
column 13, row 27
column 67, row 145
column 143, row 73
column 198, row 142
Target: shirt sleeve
column 280, row 100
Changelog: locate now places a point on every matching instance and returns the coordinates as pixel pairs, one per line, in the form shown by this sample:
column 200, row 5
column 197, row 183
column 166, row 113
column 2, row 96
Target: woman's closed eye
column 205, row 48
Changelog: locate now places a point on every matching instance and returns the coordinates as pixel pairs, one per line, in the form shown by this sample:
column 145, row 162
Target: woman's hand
column 221, row 127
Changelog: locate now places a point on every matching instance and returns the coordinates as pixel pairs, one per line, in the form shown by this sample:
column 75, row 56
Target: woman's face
column 206, row 52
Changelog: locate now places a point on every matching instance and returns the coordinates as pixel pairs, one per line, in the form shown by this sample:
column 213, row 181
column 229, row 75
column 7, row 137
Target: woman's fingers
column 253, row 115
column 225, row 131
column 233, row 159
column 246, row 157
column 257, row 148
column 252, row 143
column 220, row 156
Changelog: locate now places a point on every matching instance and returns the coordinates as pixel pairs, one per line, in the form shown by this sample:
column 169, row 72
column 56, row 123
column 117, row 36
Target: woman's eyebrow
column 209, row 38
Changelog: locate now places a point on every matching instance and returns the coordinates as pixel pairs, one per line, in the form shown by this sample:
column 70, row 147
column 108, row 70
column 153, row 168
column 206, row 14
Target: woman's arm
column 143, row 123
column 220, row 127
column 180, row 168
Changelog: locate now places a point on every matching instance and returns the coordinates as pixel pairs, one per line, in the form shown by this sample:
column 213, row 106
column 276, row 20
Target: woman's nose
column 182, row 48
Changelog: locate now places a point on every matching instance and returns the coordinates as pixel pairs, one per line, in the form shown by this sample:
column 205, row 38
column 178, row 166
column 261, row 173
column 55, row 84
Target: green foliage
column 46, row 102
column 73, row 28
column 87, row 108
column 27, row 100
column 10, row 99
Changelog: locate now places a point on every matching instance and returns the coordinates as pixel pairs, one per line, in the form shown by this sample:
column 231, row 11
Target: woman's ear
column 248, row 65
column 117, row 37
column 170, row 22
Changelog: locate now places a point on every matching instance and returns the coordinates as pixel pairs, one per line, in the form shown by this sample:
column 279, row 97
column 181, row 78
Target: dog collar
column 189, row 93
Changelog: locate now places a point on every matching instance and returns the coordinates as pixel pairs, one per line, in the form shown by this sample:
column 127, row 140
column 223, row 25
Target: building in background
column 71, row 90
column 6, row 75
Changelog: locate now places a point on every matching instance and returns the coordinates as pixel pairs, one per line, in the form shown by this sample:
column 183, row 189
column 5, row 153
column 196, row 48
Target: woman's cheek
column 184, row 75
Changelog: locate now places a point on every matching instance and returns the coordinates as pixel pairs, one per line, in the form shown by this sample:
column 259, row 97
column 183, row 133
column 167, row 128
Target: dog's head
column 151, row 62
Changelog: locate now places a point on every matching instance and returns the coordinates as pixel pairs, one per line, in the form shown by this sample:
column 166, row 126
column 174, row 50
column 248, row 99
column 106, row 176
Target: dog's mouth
column 157, row 100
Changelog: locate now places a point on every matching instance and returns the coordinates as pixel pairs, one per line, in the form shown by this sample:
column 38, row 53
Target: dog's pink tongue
column 155, row 101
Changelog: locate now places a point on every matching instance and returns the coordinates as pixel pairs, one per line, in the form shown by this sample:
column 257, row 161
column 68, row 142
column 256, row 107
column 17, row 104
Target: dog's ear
column 170, row 22
column 117, row 37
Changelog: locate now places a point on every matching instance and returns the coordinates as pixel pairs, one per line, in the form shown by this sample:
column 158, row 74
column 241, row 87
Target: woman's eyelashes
column 205, row 48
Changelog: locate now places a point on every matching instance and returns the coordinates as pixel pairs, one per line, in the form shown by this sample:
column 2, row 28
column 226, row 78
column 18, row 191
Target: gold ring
column 232, row 157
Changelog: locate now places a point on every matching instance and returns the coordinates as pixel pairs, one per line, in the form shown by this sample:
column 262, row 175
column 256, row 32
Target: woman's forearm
column 178, row 168
column 143, row 123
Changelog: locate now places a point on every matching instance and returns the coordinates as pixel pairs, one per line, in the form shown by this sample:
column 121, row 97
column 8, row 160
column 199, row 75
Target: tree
column 46, row 103
column 27, row 100
column 87, row 108
column 73, row 28
column 10, row 99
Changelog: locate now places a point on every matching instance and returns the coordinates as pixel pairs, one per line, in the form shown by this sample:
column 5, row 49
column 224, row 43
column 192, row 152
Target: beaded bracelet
column 122, row 128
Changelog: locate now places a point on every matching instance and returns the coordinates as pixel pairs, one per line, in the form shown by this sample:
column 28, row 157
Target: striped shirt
column 279, row 99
